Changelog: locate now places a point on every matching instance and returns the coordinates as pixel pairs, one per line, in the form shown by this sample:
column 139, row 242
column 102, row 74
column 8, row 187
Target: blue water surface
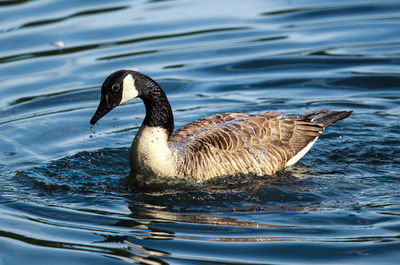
column 64, row 197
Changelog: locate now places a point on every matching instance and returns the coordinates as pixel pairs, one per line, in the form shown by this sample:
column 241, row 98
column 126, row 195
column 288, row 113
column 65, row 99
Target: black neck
column 158, row 109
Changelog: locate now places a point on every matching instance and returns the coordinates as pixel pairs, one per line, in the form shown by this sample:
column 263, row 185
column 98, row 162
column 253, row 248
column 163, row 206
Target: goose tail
column 325, row 117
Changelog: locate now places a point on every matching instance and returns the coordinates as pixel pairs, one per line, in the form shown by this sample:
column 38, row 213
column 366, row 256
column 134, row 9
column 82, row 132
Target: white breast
column 150, row 153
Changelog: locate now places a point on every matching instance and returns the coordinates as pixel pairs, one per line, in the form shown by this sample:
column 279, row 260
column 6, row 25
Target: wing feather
column 229, row 143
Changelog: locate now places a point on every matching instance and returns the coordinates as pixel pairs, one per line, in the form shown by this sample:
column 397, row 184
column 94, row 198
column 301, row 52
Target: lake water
column 63, row 194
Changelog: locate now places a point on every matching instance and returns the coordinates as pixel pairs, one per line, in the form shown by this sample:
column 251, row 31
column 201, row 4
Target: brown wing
column 230, row 143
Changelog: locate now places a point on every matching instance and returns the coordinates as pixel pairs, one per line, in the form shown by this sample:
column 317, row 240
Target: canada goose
column 219, row 145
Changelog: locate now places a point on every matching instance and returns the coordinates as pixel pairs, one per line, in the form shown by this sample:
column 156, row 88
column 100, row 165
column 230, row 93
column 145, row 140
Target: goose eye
column 115, row 88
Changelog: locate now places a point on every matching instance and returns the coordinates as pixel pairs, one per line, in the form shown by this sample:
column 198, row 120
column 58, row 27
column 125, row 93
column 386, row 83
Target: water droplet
column 58, row 44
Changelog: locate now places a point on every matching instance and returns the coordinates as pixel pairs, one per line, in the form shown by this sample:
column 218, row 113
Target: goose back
column 230, row 143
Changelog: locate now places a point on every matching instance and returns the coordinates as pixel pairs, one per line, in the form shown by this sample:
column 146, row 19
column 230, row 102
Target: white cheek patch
column 129, row 90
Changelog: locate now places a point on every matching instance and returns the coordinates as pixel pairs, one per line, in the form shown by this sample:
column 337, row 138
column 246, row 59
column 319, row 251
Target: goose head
column 124, row 85
column 118, row 88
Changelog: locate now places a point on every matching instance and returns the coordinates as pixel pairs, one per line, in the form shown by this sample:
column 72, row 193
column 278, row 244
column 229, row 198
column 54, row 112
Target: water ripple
column 65, row 195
